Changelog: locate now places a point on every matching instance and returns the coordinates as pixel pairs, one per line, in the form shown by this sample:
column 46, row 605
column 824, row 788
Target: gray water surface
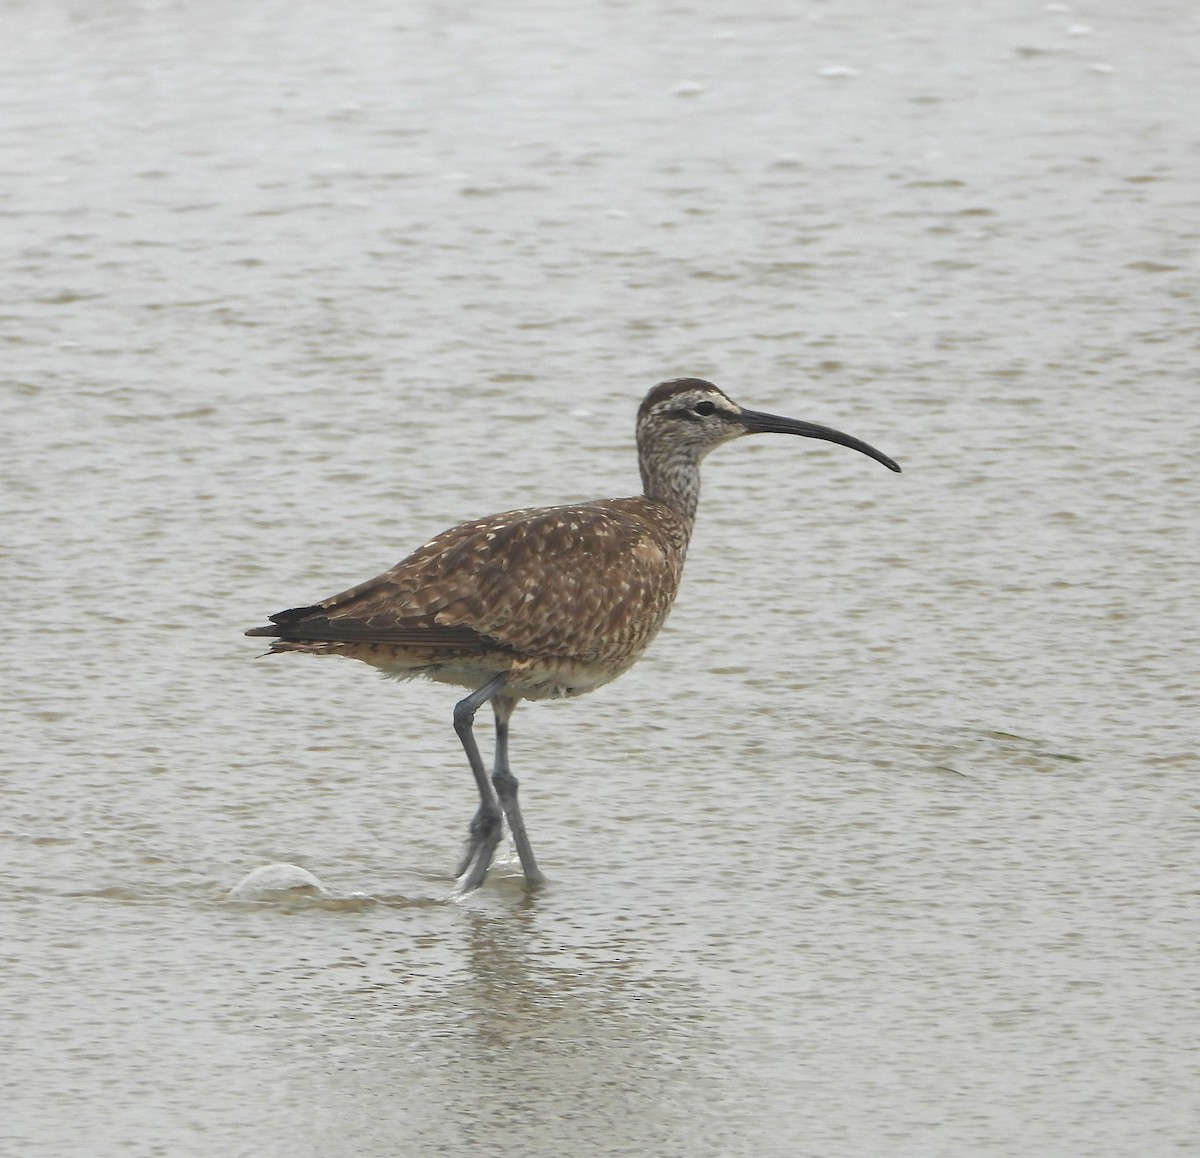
column 887, row 847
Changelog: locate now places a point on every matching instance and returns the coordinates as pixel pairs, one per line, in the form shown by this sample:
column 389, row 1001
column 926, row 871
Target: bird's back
column 546, row 591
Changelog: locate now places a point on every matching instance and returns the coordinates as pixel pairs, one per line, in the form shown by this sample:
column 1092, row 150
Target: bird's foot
column 483, row 837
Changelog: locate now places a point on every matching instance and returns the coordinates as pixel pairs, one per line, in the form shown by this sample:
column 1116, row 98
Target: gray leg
column 487, row 826
column 505, row 784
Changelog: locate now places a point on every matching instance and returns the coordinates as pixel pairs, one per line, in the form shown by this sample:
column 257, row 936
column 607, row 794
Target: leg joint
column 464, row 714
column 505, row 783
column 465, row 709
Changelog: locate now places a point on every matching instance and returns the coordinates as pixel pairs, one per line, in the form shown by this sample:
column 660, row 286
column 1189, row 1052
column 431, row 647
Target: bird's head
column 688, row 417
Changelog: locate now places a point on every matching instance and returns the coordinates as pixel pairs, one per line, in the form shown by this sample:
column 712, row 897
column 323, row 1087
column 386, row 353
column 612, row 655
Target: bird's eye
column 704, row 407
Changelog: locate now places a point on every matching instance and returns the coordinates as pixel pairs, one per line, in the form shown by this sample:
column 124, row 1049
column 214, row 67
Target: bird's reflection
column 519, row 1025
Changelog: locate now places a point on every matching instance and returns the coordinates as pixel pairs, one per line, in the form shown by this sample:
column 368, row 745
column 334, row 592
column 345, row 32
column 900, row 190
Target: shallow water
column 889, row 843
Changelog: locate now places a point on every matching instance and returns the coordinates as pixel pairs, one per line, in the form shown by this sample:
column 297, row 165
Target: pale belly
column 530, row 679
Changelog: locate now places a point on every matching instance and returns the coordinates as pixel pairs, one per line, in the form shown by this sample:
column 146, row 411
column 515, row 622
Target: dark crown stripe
column 666, row 390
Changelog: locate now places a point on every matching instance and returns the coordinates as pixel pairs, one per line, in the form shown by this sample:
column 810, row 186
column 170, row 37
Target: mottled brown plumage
column 563, row 599
column 539, row 602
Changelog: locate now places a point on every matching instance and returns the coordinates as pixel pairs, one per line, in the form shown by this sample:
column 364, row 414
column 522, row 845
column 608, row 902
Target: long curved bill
column 757, row 422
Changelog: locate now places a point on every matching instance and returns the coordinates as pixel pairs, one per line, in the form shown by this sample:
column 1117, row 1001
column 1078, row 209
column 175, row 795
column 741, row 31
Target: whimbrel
column 543, row 602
